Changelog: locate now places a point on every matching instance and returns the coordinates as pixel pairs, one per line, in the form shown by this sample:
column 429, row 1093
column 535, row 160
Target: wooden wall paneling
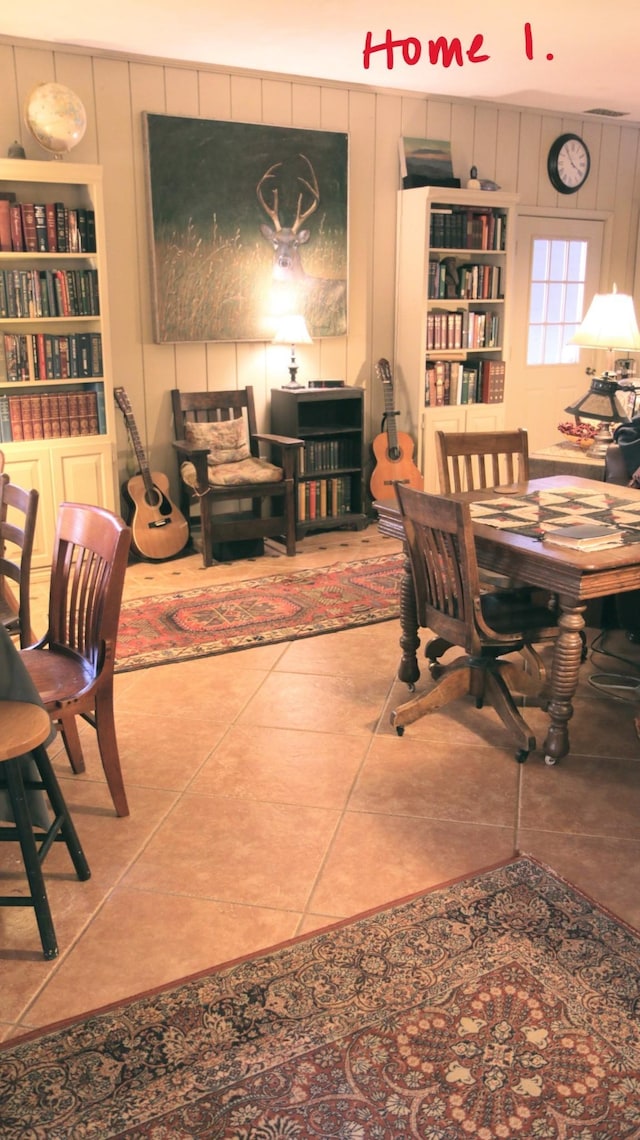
column 222, row 365
column 438, row 119
column 181, row 90
column 362, row 117
column 551, row 126
column 11, row 121
column 33, row 66
column 385, row 190
column 507, row 149
column 529, row 159
column 76, row 71
column 334, row 109
column 246, row 99
column 306, row 105
column 413, row 123
column 485, row 141
column 462, row 140
column 276, row 103
column 625, row 211
column 214, row 95
column 607, row 171
column 591, row 132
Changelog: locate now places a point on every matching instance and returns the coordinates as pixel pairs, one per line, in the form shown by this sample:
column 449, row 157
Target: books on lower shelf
column 30, row 294
column 47, row 356
column 464, row 382
column 56, row 414
column 584, row 536
column 324, row 498
column 451, row 329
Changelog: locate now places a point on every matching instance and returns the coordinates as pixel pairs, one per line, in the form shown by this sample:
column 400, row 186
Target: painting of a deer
column 322, row 300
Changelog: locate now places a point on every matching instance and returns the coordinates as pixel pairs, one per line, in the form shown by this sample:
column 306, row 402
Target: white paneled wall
column 505, row 144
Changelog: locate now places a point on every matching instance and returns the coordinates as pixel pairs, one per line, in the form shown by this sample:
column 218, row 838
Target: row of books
column 49, row 293
column 326, row 455
column 45, row 227
column 462, row 227
column 44, row 356
column 52, row 415
column 463, row 382
column 324, row 498
column 472, row 282
column 449, row 330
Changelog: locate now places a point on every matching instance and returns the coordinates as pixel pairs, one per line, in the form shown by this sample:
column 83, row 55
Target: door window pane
column 556, row 300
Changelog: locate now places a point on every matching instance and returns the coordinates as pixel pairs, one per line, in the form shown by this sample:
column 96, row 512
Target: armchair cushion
column 241, row 472
column 226, row 441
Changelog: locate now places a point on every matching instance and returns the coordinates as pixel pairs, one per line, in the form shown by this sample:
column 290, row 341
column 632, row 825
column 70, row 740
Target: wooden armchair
column 18, row 510
column 72, row 665
column 487, row 627
column 218, row 448
column 469, row 460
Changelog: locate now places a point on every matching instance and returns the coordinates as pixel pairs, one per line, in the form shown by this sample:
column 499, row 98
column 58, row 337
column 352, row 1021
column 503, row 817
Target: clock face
column 568, row 164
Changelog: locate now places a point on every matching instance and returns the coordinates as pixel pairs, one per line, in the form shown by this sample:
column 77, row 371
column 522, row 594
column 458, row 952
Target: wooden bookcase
column 55, row 362
column 330, row 477
column 446, row 322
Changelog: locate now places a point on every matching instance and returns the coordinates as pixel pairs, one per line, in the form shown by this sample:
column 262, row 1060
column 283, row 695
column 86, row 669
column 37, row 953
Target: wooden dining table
column 574, row 576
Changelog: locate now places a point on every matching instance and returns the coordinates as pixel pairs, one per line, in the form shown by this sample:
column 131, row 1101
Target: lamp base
column 601, row 442
column 292, row 386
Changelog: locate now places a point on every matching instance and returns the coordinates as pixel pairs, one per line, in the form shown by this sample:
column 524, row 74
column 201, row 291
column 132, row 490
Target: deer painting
column 322, row 300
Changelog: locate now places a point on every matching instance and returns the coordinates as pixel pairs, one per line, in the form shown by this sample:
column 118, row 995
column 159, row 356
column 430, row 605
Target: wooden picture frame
column 248, row 222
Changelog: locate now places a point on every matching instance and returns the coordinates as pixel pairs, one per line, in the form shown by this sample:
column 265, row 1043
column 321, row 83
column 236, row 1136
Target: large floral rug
column 219, row 618
column 505, row 1005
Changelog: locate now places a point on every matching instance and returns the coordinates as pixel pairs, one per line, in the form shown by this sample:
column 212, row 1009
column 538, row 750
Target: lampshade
column 599, row 403
column 292, row 329
column 610, row 323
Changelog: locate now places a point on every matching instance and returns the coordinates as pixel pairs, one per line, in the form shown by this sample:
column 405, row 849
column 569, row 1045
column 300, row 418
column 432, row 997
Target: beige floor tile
column 378, row 858
column 282, row 766
column 583, row 795
column 317, row 703
column 254, row 853
column 408, row 776
column 141, row 940
column 212, row 689
column 348, row 652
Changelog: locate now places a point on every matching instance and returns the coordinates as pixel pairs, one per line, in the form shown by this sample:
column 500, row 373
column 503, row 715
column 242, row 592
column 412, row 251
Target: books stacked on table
column 584, row 536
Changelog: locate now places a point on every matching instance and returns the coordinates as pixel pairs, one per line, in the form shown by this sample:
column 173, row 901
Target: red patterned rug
column 502, row 1006
column 217, row 619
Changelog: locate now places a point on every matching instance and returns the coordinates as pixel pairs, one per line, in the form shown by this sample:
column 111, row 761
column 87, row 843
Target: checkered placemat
column 531, row 515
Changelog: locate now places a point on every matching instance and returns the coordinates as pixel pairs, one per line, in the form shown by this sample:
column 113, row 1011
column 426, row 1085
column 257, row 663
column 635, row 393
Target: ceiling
column 583, row 55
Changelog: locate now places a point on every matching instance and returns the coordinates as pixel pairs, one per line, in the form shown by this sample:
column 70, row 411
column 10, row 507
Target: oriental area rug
column 505, row 1005
column 260, row 611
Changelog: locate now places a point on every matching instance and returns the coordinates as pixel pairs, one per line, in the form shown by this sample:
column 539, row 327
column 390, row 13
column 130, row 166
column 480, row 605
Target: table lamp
column 292, row 329
column 610, row 323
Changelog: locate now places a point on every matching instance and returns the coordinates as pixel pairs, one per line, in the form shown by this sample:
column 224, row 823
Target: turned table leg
column 565, row 668
column 408, row 670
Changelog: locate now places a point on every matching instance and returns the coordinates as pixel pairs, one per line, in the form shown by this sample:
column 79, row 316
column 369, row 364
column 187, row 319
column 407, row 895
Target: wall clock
column 568, row 163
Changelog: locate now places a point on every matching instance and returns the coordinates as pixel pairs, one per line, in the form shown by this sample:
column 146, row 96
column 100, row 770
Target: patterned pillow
column 225, row 439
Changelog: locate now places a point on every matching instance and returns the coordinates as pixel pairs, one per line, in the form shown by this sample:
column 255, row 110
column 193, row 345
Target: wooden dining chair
column 469, row 460
column 486, row 627
column 18, row 511
column 219, row 452
column 72, row 665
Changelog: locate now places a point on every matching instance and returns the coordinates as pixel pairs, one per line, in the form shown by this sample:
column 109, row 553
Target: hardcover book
column 584, row 536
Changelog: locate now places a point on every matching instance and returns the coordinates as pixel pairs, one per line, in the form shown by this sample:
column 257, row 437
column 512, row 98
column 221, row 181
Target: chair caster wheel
column 550, row 761
column 400, row 730
column 411, row 687
column 435, row 671
column 521, row 756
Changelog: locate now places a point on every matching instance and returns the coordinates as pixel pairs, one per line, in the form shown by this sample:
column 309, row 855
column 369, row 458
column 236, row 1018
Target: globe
column 56, row 117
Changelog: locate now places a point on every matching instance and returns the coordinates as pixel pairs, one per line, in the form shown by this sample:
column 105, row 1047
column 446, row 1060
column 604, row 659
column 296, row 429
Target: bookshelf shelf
column 57, row 428
column 453, row 268
column 329, row 480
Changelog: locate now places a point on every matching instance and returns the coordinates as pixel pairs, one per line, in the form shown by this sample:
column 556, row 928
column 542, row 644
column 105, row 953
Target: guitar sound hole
column 155, row 499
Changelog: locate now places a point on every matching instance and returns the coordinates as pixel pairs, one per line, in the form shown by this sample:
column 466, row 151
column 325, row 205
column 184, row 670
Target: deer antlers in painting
column 321, row 299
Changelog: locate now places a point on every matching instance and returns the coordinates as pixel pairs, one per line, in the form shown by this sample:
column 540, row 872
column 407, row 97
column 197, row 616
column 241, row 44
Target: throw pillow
column 226, row 440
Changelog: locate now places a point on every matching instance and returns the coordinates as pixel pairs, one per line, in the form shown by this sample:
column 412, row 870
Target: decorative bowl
column 581, row 441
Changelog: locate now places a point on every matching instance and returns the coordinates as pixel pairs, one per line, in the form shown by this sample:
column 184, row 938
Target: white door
column 557, row 271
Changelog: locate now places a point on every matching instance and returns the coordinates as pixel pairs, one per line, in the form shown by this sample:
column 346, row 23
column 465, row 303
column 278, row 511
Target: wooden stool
column 23, row 729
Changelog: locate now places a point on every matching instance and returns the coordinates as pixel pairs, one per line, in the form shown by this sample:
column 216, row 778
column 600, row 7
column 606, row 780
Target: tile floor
column 269, row 796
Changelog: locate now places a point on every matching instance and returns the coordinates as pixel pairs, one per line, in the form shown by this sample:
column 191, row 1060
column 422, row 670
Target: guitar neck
column 140, row 454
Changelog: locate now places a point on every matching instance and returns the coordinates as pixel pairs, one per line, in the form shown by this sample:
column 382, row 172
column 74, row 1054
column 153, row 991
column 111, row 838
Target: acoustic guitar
column 158, row 529
column 393, row 449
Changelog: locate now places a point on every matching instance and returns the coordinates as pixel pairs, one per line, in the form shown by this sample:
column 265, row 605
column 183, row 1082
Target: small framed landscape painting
column 248, row 223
